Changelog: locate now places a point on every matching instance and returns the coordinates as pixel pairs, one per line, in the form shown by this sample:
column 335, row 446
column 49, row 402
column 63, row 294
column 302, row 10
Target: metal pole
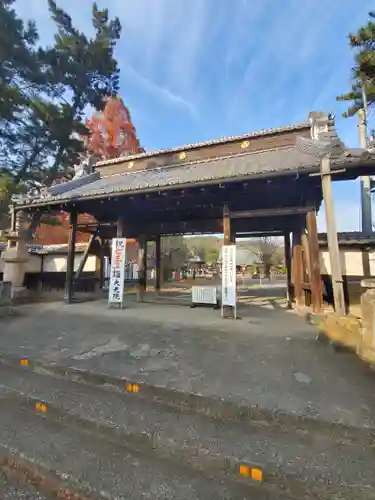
column 365, row 180
column 333, row 245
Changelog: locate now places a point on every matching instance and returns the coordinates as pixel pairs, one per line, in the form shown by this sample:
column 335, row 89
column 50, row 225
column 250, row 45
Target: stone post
column 366, row 347
column 15, row 258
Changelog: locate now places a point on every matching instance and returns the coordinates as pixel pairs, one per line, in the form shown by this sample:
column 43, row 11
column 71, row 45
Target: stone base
column 366, row 347
column 20, row 295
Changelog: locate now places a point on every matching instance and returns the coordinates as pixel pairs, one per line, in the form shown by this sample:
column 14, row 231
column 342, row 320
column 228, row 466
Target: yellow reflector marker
column 132, row 387
column 257, row 474
column 245, row 470
column 254, row 473
column 41, row 407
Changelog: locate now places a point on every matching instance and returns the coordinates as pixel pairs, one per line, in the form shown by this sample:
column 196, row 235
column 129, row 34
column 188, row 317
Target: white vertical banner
column 228, row 276
column 116, row 284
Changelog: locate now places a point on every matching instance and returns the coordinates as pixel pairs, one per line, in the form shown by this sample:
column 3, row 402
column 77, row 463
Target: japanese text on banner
column 116, row 285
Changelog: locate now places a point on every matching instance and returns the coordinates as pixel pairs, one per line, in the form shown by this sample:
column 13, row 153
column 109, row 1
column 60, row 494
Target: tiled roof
column 350, row 238
column 213, row 142
column 239, row 166
column 34, row 248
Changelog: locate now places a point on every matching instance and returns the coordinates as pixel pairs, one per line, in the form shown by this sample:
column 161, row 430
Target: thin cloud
column 158, row 91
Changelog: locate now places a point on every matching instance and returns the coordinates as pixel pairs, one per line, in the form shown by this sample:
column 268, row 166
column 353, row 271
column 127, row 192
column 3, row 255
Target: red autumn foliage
column 112, row 133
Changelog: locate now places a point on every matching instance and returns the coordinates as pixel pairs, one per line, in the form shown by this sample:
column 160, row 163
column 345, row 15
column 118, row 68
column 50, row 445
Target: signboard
column 228, row 276
column 116, row 284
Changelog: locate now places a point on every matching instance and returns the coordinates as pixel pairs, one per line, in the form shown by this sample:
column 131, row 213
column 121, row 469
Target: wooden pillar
column 120, row 232
column 99, row 263
column 229, row 238
column 314, row 267
column 297, row 268
column 142, row 268
column 333, row 244
column 306, row 271
column 68, row 297
column 158, row 263
column 288, row 266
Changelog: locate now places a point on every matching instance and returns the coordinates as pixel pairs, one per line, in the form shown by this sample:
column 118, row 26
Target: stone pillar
column 15, row 258
column 366, row 345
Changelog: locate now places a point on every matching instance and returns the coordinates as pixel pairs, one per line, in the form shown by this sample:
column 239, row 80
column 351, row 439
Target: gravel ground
column 269, row 359
column 106, row 469
column 12, row 488
column 311, row 457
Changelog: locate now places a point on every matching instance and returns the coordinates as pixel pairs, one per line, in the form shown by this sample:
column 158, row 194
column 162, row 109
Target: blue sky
column 193, row 70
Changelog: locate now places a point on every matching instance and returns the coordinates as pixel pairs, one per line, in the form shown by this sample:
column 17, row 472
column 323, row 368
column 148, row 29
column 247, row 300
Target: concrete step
column 206, row 405
column 13, row 488
column 300, row 462
column 100, row 468
column 21, row 480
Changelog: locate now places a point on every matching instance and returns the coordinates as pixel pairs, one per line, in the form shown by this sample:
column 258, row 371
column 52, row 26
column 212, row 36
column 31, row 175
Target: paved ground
column 12, row 489
column 268, row 358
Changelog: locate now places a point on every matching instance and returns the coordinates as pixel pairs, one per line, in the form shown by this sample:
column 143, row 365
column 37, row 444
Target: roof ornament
column 85, row 167
column 324, row 140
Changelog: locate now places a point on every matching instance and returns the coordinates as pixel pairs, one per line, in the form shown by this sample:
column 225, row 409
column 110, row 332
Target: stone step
column 20, row 479
column 300, row 462
column 206, row 405
column 99, row 468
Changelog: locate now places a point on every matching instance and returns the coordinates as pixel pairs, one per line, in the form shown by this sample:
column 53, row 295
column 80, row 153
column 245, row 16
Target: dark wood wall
column 253, row 144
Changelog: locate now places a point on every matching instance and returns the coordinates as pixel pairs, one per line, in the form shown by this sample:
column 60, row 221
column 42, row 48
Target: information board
column 228, row 276
column 116, row 284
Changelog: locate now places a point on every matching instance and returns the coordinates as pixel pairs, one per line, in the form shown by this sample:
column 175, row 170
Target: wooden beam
column 84, row 257
column 120, row 231
column 333, row 244
column 315, row 274
column 288, row 266
column 262, row 225
column 68, row 296
column 269, row 212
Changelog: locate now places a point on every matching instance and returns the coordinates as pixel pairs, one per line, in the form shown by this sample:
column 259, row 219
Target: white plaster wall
column 351, row 262
column 33, row 264
column 57, row 263
column 54, row 263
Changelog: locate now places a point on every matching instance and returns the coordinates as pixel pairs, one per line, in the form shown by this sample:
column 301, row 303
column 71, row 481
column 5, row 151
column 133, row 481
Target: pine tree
column 363, row 42
column 40, row 126
column 19, row 69
column 86, row 69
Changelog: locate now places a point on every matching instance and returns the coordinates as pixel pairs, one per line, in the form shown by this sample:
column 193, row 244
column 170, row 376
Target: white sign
column 116, row 284
column 228, row 276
